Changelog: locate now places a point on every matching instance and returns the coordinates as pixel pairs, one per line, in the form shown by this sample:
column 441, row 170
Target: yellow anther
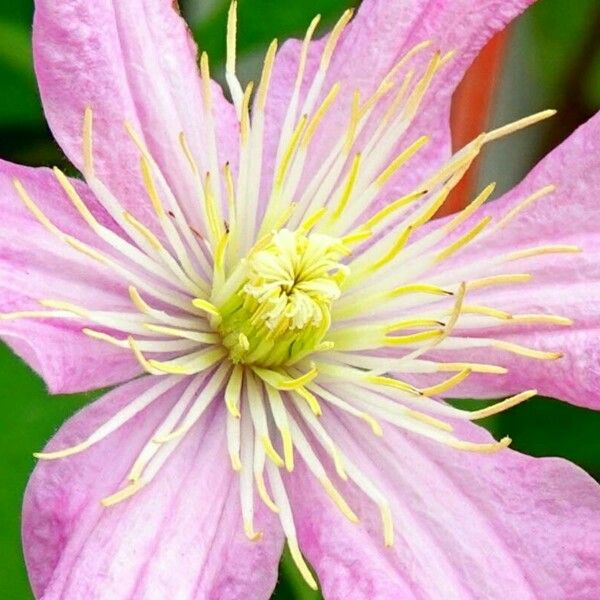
column 347, row 189
column 139, row 355
column 396, row 248
column 301, row 564
column 233, row 392
column 339, row 501
column 356, row 237
column 34, row 209
column 143, row 230
column 524, row 351
column 88, row 151
column 413, row 338
column 393, row 383
column 265, row 79
column 288, row 448
column 463, row 240
column 444, row 386
column 355, row 115
column 373, row 423
column 540, row 318
column 289, row 152
column 245, row 116
column 418, row 288
column 432, row 208
column 517, row 125
column 230, row 188
column 311, row 400
column 503, row 405
column 487, row 311
column 388, row 525
column 236, row 463
column 464, row 214
column 482, row 448
column 392, row 207
column 270, row 451
column 524, row 204
column 123, row 494
column 334, row 37
column 85, row 249
column 411, row 324
column 320, row 113
column 281, row 381
column 206, row 82
column 540, row 250
column 263, row 493
column 428, row 420
column 251, row 533
column 53, row 455
column 312, row 220
column 151, row 187
column 475, row 284
column 400, row 160
column 473, row 367
column 206, row 306
column 72, row 308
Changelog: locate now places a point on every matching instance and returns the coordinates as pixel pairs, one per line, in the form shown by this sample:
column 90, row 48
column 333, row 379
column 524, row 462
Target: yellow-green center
column 281, row 312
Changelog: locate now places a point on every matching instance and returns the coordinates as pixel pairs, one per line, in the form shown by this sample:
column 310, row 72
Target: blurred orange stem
column 471, row 108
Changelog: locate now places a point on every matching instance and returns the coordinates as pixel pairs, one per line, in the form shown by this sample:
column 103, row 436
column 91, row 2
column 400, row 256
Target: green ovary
column 281, row 313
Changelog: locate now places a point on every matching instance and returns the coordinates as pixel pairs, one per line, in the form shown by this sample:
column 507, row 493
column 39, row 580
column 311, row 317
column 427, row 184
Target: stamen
column 540, row 250
column 259, row 467
column 499, row 407
column 88, row 150
column 519, row 124
column 232, row 81
column 444, row 386
column 282, row 381
column 549, row 189
column 246, row 478
column 190, row 363
column 463, row 240
column 489, row 448
column 524, row 351
column 118, row 419
column 347, row 189
column 206, row 396
column 287, row 523
column 259, row 419
column 282, row 422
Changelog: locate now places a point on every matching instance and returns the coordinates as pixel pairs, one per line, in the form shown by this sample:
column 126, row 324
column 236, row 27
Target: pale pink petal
column 564, row 285
column 466, row 526
column 380, row 34
column 36, row 265
column 134, row 61
column 182, row 536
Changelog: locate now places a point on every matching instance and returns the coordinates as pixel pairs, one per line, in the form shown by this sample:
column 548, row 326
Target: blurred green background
column 552, row 60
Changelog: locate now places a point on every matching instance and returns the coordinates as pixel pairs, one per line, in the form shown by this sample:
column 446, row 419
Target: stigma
column 282, row 311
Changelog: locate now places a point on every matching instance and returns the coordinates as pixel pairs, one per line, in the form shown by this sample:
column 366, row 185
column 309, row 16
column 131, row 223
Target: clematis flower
column 262, row 281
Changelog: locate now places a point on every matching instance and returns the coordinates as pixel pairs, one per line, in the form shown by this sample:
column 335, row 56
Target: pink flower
column 263, row 346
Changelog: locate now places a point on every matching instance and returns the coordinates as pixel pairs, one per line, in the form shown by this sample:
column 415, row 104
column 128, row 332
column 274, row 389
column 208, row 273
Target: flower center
column 281, row 311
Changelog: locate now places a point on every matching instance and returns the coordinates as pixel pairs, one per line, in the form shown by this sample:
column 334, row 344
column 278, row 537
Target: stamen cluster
column 282, row 312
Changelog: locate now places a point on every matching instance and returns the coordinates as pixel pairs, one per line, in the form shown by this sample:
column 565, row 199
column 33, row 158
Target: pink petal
column 36, row 265
column 182, row 535
column 133, row 61
column 565, row 285
column 380, row 34
column 466, row 526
